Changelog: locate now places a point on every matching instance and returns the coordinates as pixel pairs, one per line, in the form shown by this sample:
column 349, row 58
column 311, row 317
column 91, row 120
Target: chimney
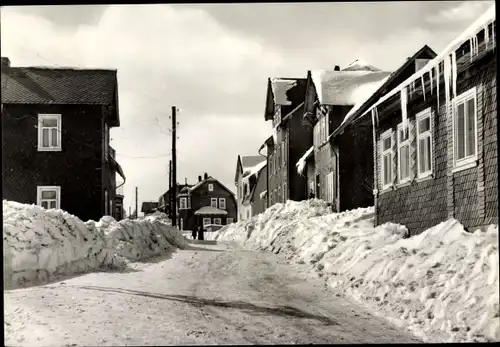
column 199, row 178
column 205, row 176
column 185, row 181
column 5, row 62
column 337, row 68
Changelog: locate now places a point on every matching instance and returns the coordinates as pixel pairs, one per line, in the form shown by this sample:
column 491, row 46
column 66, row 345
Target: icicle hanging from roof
column 454, row 73
column 404, row 109
column 447, row 78
column 423, row 85
column 437, row 84
column 431, row 79
column 486, row 36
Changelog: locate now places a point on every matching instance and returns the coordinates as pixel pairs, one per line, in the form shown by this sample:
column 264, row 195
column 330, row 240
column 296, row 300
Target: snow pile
column 42, row 245
column 442, row 284
column 301, row 164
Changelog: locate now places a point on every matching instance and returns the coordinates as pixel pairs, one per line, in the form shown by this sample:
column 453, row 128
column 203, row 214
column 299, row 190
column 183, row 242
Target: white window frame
column 384, row 136
column 206, row 221
column 210, row 187
column 57, row 189
column 50, row 148
column 212, row 200
column 222, row 203
column 427, row 113
column 229, row 221
column 185, row 200
column 471, row 160
column 402, row 144
column 218, row 221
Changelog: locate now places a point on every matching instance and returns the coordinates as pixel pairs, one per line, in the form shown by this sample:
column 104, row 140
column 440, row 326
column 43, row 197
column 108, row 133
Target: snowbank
column 442, row 284
column 41, row 245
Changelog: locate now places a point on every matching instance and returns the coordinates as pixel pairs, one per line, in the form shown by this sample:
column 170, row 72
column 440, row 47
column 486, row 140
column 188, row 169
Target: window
column 222, row 203
column 217, row 221
column 213, row 202
column 464, row 128
column 387, row 157
column 229, row 220
column 210, row 187
column 424, row 143
column 329, row 187
column 49, row 132
column 49, row 197
column 403, row 153
column 206, row 221
column 183, row 204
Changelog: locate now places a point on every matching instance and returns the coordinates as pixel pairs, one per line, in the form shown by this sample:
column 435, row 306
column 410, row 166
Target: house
column 165, row 202
column 208, row 202
column 330, row 95
column 55, row 143
column 352, row 140
column 255, row 190
column 436, row 152
column 244, row 165
column 289, row 141
column 149, row 207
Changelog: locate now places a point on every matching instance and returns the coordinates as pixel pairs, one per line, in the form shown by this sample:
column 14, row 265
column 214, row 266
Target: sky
column 212, row 62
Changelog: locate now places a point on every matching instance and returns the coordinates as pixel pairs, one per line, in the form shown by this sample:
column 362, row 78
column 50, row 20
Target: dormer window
column 210, row 187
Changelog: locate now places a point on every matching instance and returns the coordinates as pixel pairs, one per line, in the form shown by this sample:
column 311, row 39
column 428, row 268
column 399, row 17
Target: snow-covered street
column 206, row 294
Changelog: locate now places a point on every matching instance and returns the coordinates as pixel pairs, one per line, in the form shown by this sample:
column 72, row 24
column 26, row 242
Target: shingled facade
column 443, row 161
column 55, row 143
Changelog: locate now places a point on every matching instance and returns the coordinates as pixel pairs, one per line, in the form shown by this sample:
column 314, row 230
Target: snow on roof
column 301, row 164
column 251, row 160
column 254, row 169
column 360, row 65
column 343, row 87
column 363, row 93
column 263, row 194
column 209, row 210
column 279, row 87
column 481, row 23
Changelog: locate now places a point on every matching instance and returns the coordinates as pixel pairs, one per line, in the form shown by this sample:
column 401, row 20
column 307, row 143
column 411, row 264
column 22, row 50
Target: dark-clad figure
column 193, row 233
column 200, row 232
column 311, row 194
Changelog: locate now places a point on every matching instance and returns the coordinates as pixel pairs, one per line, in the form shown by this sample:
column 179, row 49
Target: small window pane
column 460, row 132
column 387, row 143
column 45, row 204
column 387, row 169
column 52, row 204
column 54, row 137
column 49, row 194
column 45, row 137
column 471, row 128
column 49, row 122
column 405, row 159
column 424, row 125
column 428, row 153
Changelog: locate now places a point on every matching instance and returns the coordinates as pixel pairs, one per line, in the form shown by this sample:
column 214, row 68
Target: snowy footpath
column 442, row 285
column 205, row 294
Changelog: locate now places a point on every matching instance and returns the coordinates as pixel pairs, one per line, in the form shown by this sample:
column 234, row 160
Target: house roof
column 149, row 206
column 355, row 112
column 40, row 85
column 479, row 25
column 285, row 92
column 344, row 88
column 209, row 179
column 209, row 210
column 260, row 174
column 245, row 162
column 360, row 65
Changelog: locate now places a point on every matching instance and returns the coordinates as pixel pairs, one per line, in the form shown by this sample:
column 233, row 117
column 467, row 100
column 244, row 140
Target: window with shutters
column 49, row 132
column 465, row 129
column 424, row 143
column 403, row 153
column 49, row 196
column 386, row 161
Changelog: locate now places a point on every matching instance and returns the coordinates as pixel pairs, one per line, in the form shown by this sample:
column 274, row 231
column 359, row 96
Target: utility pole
column 130, row 212
column 136, row 204
column 170, row 191
column 174, row 166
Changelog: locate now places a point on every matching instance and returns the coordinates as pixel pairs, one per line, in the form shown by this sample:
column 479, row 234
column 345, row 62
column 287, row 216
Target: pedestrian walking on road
column 200, row 233
column 193, row 233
